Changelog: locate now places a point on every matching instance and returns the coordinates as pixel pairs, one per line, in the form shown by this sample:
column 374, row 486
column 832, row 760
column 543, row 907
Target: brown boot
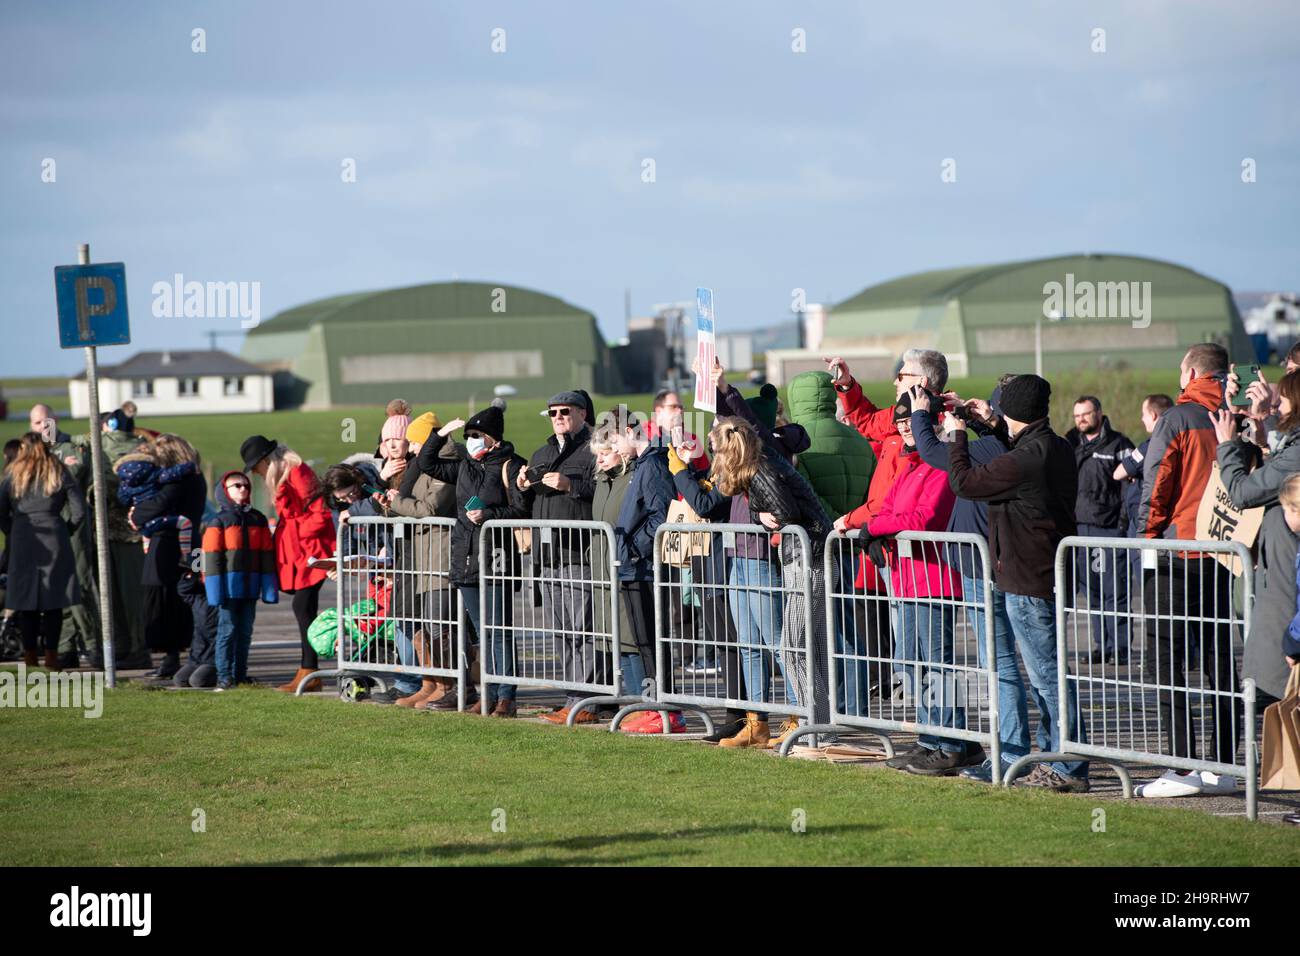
column 427, row 686
column 442, row 687
column 504, row 708
column 51, row 661
column 753, row 734
column 292, row 686
column 788, row 726
column 30, row 659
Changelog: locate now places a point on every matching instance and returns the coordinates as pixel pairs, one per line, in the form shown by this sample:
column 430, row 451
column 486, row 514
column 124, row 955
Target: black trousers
column 168, row 624
column 306, row 602
column 1194, row 588
column 46, row 624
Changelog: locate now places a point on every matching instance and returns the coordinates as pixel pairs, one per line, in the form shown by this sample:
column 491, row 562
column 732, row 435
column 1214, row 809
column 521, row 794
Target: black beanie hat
column 490, row 421
column 763, row 405
column 1025, row 398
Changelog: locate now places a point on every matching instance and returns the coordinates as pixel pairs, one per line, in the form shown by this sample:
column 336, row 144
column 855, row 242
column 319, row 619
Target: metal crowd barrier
column 549, row 609
column 903, row 641
column 398, row 613
column 1176, row 698
column 734, row 626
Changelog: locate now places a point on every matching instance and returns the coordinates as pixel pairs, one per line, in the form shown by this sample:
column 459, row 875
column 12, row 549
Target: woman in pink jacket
column 920, row 500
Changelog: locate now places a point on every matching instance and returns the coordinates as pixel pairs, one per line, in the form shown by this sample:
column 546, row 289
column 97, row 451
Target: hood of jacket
column 1203, row 390
column 222, row 497
column 811, row 396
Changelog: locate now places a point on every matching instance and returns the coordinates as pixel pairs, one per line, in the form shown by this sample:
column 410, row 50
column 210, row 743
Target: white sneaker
column 1172, row 784
column 1217, row 784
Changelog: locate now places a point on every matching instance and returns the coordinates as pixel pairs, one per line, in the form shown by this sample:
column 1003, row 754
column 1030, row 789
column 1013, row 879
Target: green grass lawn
column 292, row 781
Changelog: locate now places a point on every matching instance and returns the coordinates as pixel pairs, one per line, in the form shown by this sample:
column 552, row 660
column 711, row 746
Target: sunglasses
column 473, row 434
column 236, row 485
column 560, row 412
column 901, row 375
column 352, row 495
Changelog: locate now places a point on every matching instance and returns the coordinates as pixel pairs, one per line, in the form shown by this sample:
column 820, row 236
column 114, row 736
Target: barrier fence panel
column 911, row 641
column 1150, row 640
column 548, row 603
column 397, row 611
column 734, row 622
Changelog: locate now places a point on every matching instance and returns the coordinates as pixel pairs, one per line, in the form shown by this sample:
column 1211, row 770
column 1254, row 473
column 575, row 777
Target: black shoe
column 900, row 761
column 136, row 662
column 936, row 763
column 70, row 660
column 1097, row 657
column 724, row 731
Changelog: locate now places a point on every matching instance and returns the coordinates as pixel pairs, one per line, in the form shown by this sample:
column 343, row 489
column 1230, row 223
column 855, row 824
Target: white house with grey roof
column 204, row 382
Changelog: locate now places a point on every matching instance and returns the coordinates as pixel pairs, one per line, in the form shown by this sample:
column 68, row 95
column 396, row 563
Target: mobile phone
column 474, row 504
column 1243, row 379
column 535, row 474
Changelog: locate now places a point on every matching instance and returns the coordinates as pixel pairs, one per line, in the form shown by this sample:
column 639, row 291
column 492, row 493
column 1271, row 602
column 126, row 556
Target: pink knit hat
column 395, row 426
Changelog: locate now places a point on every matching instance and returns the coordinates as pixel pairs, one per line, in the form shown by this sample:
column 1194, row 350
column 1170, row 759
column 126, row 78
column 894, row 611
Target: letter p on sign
column 92, row 305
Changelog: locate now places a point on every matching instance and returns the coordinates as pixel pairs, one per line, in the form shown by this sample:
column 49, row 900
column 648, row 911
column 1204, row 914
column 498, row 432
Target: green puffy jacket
column 839, row 462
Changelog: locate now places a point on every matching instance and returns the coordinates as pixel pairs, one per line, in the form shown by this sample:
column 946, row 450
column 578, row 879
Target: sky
column 773, row 170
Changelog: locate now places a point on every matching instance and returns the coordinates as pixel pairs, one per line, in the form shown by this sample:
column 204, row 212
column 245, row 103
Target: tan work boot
column 427, row 686
column 442, row 687
column 753, row 734
column 312, row 685
column 788, row 726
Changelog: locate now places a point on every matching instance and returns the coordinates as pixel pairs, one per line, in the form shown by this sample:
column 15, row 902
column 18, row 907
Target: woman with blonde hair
column 42, row 566
column 777, row 496
column 304, row 528
column 175, row 509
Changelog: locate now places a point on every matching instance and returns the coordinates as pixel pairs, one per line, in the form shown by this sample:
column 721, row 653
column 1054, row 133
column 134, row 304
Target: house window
column 189, row 387
column 142, row 388
column 234, row 385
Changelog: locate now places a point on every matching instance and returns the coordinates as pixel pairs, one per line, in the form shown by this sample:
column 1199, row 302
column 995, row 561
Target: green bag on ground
column 322, row 633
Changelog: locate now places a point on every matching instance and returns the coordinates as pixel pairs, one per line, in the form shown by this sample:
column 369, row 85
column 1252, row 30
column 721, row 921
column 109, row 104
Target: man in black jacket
column 1031, row 494
column 1101, row 573
column 558, row 486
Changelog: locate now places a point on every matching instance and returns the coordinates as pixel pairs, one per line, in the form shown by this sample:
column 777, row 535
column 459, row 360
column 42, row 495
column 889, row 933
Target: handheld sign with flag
column 705, row 351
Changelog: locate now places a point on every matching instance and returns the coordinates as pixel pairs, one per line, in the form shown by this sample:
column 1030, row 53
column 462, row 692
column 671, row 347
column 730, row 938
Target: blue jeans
column 405, row 684
column 234, row 635
column 1033, row 622
column 853, row 617
column 928, row 626
column 497, row 648
column 634, row 674
column 1102, row 576
column 1013, row 711
column 755, row 601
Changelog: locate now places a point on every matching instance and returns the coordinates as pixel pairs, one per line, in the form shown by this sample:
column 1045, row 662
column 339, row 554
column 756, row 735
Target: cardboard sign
column 678, row 547
column 1220, row 520
column 705, row 351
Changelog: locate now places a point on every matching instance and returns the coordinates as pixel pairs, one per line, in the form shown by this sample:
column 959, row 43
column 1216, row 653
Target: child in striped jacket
column 238, row 567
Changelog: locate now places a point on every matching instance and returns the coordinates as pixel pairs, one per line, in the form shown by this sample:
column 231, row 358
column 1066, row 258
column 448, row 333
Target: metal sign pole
column 101, row 505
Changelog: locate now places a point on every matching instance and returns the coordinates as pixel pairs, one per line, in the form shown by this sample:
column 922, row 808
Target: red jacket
column 876, row 425
column 301, row 530
column 1179, row 461
column 920, row 500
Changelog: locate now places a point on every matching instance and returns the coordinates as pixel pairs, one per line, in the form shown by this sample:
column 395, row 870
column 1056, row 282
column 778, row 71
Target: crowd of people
column 189, row 573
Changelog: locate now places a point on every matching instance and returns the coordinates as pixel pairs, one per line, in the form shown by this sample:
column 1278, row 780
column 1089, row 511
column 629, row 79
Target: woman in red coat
column 304, row 528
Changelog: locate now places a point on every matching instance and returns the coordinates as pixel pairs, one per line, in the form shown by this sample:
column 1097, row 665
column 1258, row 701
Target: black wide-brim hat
column 255, row 448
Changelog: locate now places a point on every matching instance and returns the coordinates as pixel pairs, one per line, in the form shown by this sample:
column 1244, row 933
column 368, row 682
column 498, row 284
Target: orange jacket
column 1178, row 463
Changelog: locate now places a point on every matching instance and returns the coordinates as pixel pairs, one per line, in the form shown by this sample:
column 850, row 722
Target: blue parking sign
column 92, row 305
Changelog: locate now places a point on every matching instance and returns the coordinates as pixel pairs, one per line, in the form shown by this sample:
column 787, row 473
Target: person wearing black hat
column 486, row 489
column 1031, row 493
column 304, row 528
column 565, row 468
column 972, row 517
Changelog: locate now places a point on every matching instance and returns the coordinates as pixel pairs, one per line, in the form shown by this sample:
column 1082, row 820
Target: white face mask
column 475, row 446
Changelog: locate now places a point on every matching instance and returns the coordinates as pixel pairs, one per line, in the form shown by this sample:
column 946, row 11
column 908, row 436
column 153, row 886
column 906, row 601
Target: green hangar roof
column 1112, row 309
column 430, row 343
